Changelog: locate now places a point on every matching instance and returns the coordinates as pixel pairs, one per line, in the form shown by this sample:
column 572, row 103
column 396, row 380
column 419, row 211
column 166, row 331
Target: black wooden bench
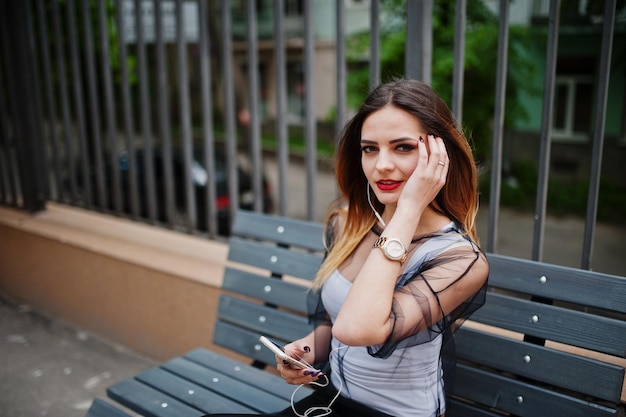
column 100, row 408
column 550, row 341
column 271, row 263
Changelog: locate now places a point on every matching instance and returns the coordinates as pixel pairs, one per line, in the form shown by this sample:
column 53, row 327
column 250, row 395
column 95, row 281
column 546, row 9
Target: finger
column 306, row 377
column 422, row 152
column 439, row 154
column 435, row 155
column 300, row 376
column 442, row 150
column 444, row 162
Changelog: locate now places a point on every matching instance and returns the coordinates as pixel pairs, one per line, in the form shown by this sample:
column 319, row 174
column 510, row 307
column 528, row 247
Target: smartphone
column 278, row 351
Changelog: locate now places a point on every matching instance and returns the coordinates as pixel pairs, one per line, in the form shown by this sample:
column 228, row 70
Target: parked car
column 199, row 177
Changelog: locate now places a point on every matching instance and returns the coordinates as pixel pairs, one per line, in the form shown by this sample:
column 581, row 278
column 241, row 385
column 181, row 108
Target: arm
column 365, row 317
column 448, row 287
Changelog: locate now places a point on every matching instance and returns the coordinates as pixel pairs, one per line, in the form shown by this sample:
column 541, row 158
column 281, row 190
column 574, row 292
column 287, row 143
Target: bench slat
column 262, row 319
column 520, row 398
column 255, row 397
column 189, row 392
column 286, row 231
column 149, row 402
column 244, row 372
column 269, row 290
column 276, row 259
column 243, row 341
column 562, row 369
column 100, row 408
column 587, row 288
column 456, row 408
column 571, row 327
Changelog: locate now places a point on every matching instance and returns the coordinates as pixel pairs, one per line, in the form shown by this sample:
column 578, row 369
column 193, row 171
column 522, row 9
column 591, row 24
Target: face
column 389, row 151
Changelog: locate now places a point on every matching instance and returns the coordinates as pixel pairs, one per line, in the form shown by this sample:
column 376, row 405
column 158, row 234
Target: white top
column 408, row 383
column 404, row 376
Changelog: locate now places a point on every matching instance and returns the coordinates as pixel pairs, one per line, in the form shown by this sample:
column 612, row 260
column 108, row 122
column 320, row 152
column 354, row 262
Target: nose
column 384, row 161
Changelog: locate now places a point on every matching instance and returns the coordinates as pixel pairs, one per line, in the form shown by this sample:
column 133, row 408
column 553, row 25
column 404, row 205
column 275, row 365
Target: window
column 573, row 108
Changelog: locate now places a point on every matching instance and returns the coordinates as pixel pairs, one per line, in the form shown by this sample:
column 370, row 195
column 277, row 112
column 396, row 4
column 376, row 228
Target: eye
column 368, row 148
column 406, row 147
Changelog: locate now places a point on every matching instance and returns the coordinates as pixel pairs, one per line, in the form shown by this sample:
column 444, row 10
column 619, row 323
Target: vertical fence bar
column 164, row 115
column 5, row 180
column 50, row 99
column 4, row 199
column 419, row 40
column 340, row 42
column 37, row 165
column 129, row 126
column 253, row 91
column 26, row 105
column 412, row 64
column 459, row 60
column 185, row 115
column 209, row 217
column 109, row 104
column 4, row 141
column 146, row 120
column 94, row 107
column 498, row 126
column 69, row 176
column 545, row 144
column 546, row 129
column 281, row 104
column 598, row 131
column 229, row 108
column 8, row 107
column 79, row 107
column 310, row 127
column 13, row 128
column 374, row 44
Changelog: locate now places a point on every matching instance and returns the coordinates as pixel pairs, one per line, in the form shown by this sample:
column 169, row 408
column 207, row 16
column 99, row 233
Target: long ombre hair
column 458, row 199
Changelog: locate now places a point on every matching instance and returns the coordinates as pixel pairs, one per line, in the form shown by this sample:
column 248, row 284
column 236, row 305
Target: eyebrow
column 392, row 141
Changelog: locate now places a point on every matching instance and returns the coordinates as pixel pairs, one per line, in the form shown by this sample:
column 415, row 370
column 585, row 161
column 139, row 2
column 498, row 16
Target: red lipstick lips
column 388, row 185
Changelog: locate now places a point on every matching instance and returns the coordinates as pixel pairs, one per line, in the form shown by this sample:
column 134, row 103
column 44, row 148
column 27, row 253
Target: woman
column 402, row 264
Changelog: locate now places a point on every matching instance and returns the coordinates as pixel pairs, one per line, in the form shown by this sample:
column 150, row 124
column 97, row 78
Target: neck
column 430, row 220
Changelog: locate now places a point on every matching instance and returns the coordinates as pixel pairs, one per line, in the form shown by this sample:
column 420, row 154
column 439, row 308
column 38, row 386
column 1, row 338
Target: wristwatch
column 393, row 248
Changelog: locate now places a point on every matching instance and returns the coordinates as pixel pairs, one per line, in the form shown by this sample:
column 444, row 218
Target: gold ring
column 441, row 162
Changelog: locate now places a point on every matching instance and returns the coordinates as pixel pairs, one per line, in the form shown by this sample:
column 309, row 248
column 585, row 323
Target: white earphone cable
column 369, row 200
column 324, row 410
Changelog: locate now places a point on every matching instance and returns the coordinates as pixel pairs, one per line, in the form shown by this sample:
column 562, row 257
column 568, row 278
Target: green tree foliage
column 480, row 64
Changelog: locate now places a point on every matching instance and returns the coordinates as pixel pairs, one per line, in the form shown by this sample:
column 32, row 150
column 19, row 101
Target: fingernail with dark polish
column 307, row 349
column 308, row 373
column 285, row 362
column 421, row 139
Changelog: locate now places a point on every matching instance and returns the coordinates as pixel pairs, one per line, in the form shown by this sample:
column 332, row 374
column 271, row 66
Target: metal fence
column 90, row 119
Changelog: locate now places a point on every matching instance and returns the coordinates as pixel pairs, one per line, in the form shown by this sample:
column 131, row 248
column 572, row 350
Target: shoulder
column 451, row 249
column 335, row 222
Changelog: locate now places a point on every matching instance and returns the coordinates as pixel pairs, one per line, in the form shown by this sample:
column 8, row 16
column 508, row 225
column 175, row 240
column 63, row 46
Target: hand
column 429, row 175
column 292, row 374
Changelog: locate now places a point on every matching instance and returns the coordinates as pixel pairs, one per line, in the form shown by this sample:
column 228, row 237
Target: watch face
column 395, row 248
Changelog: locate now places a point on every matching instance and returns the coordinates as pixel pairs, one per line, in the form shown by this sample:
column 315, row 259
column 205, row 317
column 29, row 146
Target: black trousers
column 342, row 407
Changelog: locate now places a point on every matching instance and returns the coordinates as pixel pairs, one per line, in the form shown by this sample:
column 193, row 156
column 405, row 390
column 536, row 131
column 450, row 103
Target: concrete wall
column 152, row 290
